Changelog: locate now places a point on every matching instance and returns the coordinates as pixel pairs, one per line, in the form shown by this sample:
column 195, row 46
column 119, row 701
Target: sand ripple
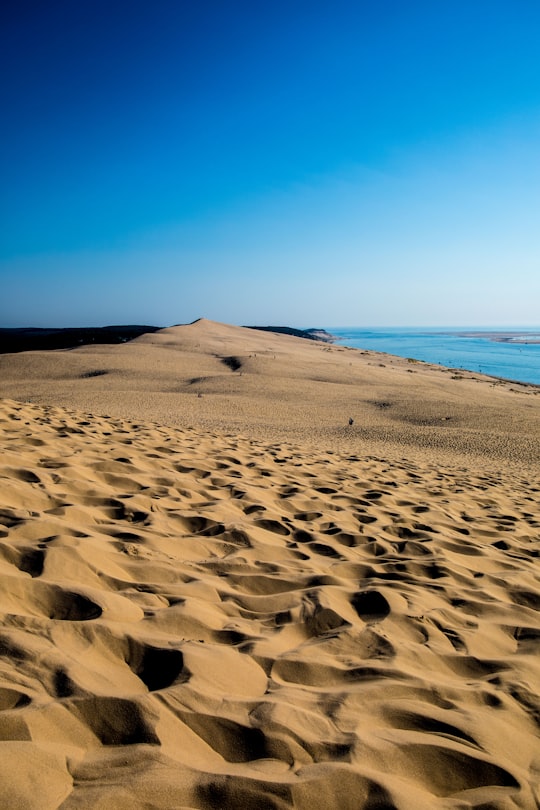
column 196, row 620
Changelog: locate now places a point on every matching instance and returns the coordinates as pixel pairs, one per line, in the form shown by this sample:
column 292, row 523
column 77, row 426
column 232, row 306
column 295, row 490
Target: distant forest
column 310, row 334
column 30, row 339
column 33, row 339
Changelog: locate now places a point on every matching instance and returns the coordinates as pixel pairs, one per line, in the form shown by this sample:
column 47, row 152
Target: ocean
column 499, row 352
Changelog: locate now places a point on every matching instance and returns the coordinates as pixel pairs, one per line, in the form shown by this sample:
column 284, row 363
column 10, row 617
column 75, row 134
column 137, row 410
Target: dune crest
column 194, row 619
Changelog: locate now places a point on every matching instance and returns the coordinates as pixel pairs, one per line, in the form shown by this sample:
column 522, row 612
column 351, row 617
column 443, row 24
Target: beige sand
column 215, row 593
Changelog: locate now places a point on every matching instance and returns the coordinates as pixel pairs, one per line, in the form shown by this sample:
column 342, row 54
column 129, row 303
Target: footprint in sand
column 371, row 606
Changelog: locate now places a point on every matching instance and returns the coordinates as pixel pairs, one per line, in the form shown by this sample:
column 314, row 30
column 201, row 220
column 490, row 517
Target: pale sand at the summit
column 217, row 593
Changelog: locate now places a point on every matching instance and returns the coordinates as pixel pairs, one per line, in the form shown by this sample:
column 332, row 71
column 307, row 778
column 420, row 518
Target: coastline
column 495, row 353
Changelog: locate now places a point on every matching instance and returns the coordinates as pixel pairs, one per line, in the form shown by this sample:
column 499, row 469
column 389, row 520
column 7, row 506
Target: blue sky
column 302, row 163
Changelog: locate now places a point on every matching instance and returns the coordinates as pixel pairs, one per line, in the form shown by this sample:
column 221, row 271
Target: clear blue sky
column 303, row 163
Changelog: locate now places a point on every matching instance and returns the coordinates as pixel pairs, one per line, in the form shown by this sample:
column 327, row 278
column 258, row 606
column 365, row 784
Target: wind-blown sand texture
column 237, row 600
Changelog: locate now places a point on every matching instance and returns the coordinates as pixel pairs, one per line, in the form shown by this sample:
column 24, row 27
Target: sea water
column 474, row 349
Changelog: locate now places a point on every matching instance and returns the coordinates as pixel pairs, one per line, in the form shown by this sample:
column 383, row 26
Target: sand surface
column 216, row 593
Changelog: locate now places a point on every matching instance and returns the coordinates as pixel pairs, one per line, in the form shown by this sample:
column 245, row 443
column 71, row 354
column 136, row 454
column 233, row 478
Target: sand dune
column 274, row 387
column 237, row 600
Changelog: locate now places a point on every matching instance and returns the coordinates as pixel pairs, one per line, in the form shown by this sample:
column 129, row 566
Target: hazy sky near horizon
column 302, row 163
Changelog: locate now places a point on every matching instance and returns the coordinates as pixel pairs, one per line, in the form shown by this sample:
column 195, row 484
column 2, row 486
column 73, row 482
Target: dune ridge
column 198, row 616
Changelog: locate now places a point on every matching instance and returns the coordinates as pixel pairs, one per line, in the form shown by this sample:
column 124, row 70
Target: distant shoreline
column 505, row 353
column 21, row 339
column 526, row 338
column 310, row 334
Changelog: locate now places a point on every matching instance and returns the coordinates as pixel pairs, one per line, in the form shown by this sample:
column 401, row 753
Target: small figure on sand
column 351, row 421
